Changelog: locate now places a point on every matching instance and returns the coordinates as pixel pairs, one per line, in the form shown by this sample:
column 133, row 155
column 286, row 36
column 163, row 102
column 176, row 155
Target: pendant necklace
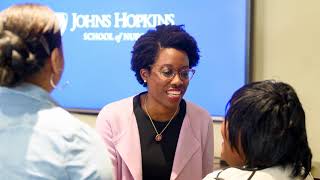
column 158, row 137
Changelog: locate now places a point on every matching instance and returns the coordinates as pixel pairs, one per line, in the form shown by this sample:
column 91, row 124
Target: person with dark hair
column 157, row 134
column 38, row 139
column 264, row 134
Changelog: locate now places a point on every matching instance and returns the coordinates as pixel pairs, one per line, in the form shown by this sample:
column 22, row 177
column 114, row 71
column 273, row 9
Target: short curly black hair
column 270, row 121
column 147, row 47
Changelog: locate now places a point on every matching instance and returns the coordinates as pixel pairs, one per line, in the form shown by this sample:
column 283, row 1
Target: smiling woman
column 157, row 134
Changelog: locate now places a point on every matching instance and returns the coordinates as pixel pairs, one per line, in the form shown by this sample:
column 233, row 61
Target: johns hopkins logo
column 63, row 21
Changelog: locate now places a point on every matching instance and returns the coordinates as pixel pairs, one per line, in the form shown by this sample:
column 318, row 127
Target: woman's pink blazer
column 193, row 159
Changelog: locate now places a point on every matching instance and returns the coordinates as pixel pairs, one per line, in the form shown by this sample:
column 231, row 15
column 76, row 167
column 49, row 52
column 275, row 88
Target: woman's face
column 231, row 156
column 162, row 90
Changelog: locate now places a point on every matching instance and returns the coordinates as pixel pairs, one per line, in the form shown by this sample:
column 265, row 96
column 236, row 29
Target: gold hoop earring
column 53, row 85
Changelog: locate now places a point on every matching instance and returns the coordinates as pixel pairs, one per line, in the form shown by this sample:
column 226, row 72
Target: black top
column 157, row 157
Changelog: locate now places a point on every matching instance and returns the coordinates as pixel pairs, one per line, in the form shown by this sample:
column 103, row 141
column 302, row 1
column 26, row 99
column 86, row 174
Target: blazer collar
column 187, row 145
column 130, row 140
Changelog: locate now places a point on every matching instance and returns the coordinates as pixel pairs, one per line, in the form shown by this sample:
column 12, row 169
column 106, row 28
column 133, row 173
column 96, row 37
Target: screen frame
column 246, row 77
column 248, row 63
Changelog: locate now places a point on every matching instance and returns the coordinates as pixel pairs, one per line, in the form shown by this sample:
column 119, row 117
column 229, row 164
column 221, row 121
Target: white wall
column 286, row 47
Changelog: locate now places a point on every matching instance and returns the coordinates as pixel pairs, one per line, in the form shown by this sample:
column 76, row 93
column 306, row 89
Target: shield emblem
column 63, row 21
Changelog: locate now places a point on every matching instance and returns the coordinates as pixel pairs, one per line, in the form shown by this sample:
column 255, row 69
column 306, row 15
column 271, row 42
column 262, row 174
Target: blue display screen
column 98, row 37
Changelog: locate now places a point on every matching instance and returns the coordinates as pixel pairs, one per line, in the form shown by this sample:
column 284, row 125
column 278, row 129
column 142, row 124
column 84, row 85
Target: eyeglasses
column 168, row 73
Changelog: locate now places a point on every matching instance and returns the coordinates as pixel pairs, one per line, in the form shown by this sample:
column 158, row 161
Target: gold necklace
column 159, row 135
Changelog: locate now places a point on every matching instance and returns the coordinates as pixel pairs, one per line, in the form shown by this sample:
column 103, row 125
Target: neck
column 40, row 80
column 156, row 112
column 42, row 77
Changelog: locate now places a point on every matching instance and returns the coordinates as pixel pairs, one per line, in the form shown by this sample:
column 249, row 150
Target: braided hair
column 28, row 34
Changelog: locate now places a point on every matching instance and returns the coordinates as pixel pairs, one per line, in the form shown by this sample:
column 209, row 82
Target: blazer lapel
column 187, row 146
column 128, row 146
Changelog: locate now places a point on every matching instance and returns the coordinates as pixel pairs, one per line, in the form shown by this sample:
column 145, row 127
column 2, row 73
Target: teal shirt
column 39, row 140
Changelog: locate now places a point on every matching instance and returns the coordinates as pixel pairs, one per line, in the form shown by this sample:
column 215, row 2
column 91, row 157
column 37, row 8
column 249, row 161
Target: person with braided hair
column 264, row 135
column 38, row 139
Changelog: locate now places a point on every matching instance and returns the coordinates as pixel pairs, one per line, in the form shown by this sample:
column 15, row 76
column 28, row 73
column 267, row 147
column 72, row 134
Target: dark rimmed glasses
column 167, row 72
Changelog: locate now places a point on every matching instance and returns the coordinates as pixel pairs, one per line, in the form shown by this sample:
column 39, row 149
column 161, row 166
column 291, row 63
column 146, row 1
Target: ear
column 56, row 61
column 223, row 129
column 144, row 73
